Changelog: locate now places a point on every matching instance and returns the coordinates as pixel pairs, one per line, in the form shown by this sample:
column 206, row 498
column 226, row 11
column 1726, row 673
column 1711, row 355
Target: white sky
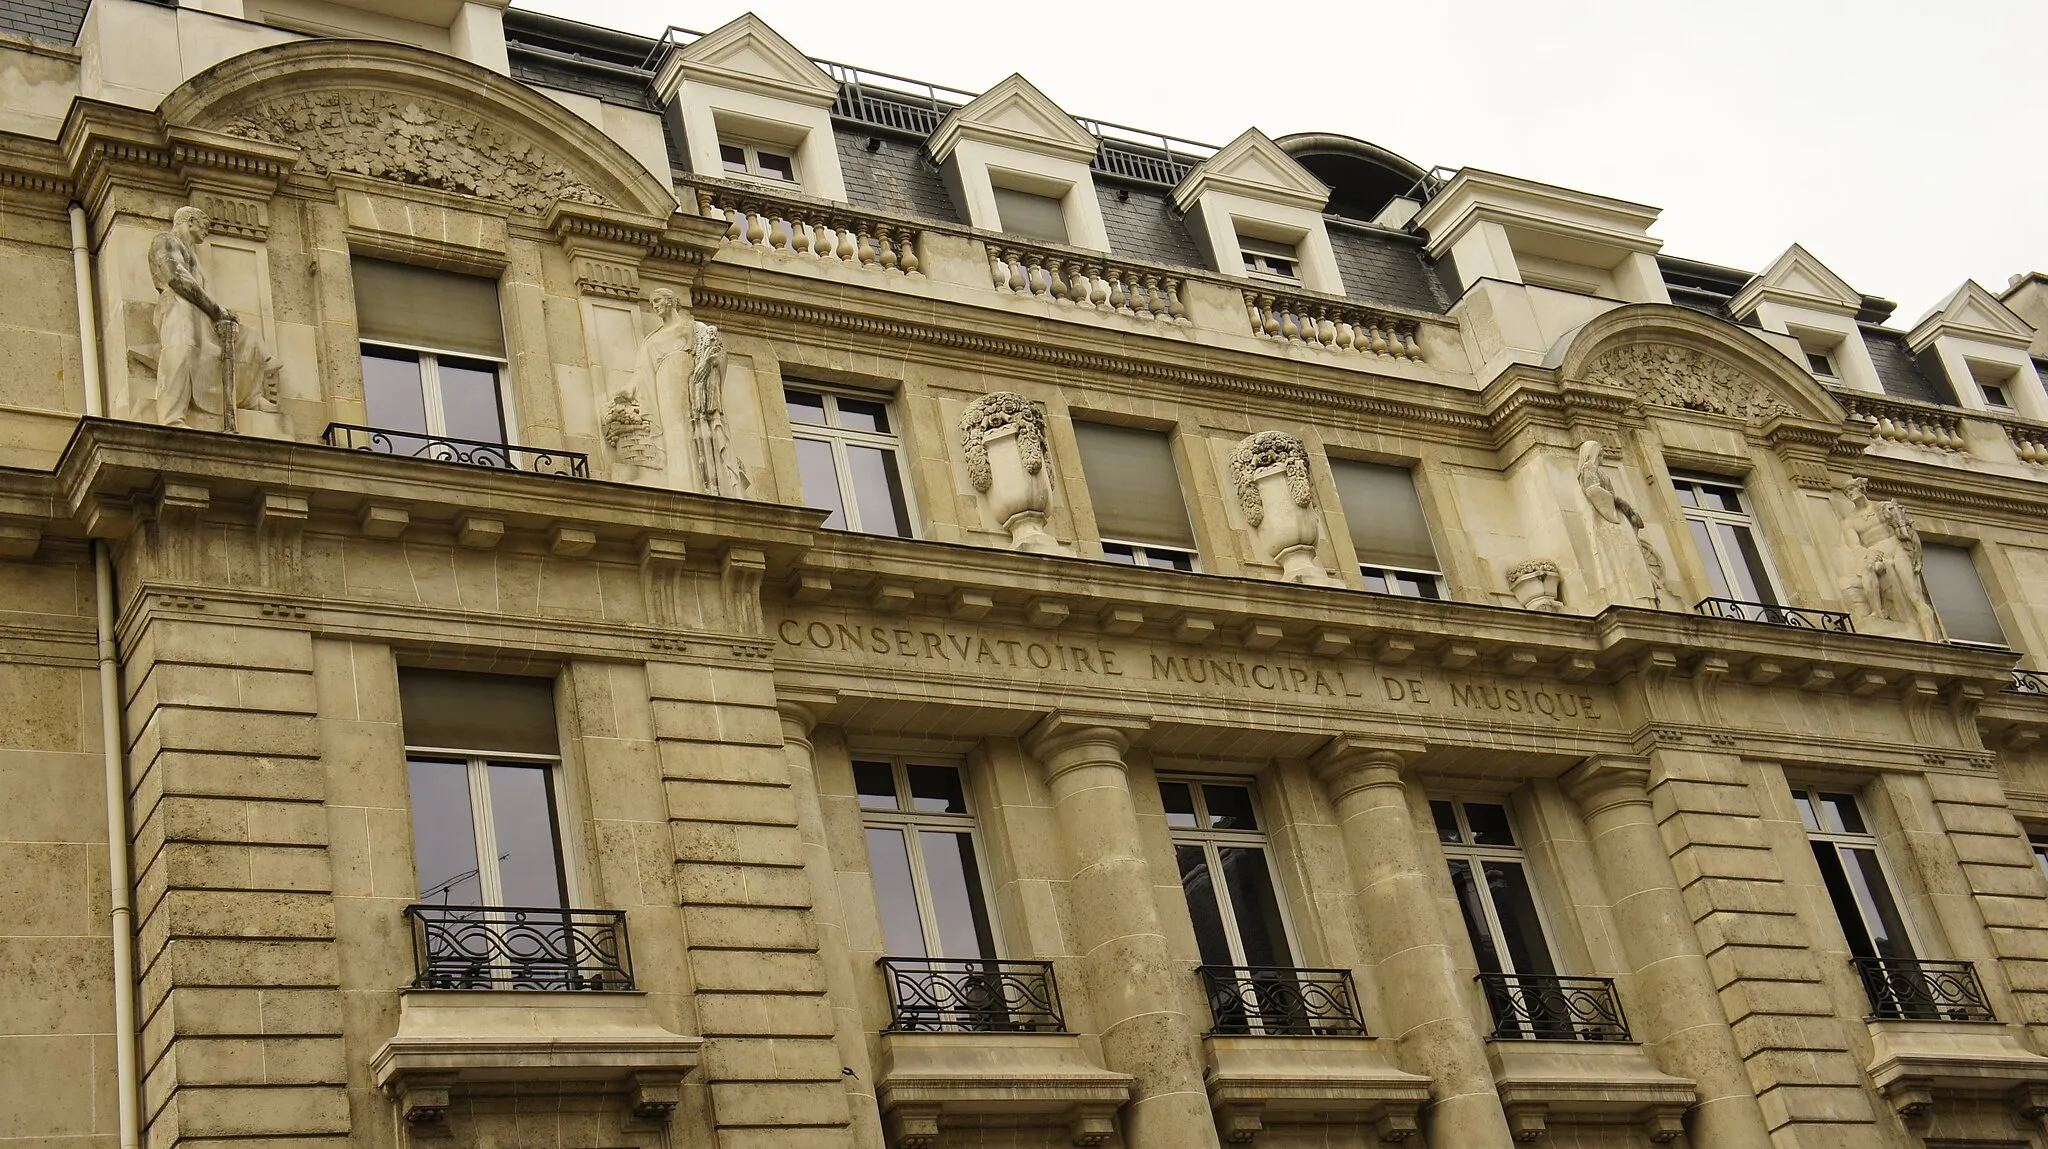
column 1901, row 142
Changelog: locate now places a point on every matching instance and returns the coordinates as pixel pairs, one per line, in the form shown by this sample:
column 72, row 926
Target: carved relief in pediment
column 416, row 141
column 1668, row 376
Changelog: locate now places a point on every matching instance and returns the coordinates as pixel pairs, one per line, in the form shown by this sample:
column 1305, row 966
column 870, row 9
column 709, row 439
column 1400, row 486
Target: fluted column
column 1131, row 977
column 799, row 716
column 1428, row 1012
column 1677, row 1007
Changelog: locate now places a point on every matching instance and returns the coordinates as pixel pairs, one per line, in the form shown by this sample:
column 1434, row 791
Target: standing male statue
column 192, row 329
column 1887, row 591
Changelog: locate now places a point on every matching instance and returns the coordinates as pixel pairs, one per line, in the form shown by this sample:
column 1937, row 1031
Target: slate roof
column 1901, row 373
column 55, row 20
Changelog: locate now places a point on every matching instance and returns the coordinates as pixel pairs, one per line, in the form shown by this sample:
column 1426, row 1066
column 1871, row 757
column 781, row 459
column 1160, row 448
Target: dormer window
column 1821, row 363
column 1029, row 214
column 1994, row 382
column 757, row 161
column 1269, row 258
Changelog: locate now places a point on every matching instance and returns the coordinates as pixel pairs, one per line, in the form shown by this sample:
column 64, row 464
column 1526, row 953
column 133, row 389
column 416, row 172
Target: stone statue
column 192, row 330
column 1003, row 435
column 1270, row 469
column 672, row 360
column 1887, row 593
column 718, row 469
column 1625, row 565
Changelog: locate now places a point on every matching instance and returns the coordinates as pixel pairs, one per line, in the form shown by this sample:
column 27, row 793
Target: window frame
column 1844, row 839
column 1211, row 840
column 430, row 390
column 1255, row 262
column 1004, row 180
column 838, row 438
column 1371, row 571
column 1969, row 550
column 1475, row 854
column 490, row 883
column 753, row 170
column 1745, row 520
column 909, row 822
column 1140, row 554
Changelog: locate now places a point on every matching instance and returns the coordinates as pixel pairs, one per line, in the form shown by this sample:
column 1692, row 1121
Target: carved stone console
column 1256, row 1082
column 1958, row 1072
column 935, row 1082
column 1544, row 1084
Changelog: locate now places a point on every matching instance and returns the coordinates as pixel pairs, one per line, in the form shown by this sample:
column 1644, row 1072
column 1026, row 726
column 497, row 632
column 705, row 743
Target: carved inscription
column 1025, row 655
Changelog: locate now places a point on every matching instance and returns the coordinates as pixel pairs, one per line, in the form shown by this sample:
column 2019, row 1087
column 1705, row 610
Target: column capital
column 1607, row 780
column 802, row 709
column 1351, row 762
column 1065, row 739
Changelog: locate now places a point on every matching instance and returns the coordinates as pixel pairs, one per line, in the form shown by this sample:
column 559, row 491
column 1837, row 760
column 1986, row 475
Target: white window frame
column 838, row 438
column 1825, row 368
column 1141, row 552
column 1869, row 841
column 1745, row 520
column 430, row 389
column 751, row 151
column 1256, row 263
column 910, row 822
column 489, row 881
column 1210, row 839
column 1382, row 570
column 1475, row 854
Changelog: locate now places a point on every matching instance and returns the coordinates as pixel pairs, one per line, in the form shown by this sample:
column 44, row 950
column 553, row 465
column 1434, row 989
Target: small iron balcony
column 1282, row 1000
column 491, row 947
column 2028, row 682
column 442, row 449
column 1797, row 617
column 1546, row 1007
column 986, row 996
column 1904, row 990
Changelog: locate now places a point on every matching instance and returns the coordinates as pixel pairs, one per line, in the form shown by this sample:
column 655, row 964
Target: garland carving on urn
column 1536, row 584
column 1273, row 488
column 1003, row 436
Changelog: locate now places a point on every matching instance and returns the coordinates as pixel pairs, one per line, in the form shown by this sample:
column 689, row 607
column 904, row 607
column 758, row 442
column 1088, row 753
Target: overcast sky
column 1901, row 142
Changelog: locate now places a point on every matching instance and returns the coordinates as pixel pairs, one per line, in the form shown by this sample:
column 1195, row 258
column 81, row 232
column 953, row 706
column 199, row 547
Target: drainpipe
column 122, row 916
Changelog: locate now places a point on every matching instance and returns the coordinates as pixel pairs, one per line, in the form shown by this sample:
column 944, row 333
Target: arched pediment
column 1676, row 357
column 392, row 112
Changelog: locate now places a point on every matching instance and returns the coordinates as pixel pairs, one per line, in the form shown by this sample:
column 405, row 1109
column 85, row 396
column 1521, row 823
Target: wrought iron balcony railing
column 1282, row 1000
column 987, row 996
column 1797, row 617
column 443, row 449
column 2028, row 682
column 492, row 947
column 1546, row 1007
column 1905, row 990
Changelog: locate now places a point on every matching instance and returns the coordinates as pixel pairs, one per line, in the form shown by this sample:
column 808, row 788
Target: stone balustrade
column 2029, row 442
column 1335, row 324
column 1086, row 281
column 1914, row 424
column 827, row 233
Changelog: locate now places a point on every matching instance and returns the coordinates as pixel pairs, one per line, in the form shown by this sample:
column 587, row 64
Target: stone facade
column 231, row 627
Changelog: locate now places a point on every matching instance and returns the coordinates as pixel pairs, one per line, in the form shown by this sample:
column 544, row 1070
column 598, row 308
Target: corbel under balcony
column 482, row 1041
column 1922, row 1065
column 931, row 1083
column 1569, row 1083
column 1257, row 1081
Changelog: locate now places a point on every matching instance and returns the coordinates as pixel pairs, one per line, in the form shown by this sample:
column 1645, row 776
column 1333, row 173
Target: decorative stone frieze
column 1670, row 376
column 1270, row 471
column 1003, row 436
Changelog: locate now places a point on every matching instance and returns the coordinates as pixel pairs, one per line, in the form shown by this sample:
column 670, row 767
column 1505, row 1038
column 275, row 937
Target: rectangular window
column 1821, row 363
column 1994, row 381
column 770, row 162
column 1139, row 512
column 1030, row 215
column 1965, row 610
column 433, row 348
column 1717, row 513
column 1855, row 875
column 1489, row 875
column 2039, row 842
column 1388, row 529
column 847, row 455
column 921, row 851
column 1269, row 258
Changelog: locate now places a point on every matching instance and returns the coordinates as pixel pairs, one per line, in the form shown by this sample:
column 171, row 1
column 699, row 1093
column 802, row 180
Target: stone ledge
column 1258, row 1080
column 1587, row 1083
column 931, row 1081
column 1918, row 1065
column 451, row 1039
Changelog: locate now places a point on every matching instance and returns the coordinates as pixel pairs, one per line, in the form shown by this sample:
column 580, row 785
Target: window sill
column 1332, row 1080
column 1920, row 1064
column 1546, row 1083
column 926, row 1080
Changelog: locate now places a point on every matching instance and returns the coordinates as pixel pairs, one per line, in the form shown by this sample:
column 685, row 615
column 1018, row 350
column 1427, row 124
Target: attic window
column 743, row 159
column 1821, row 364
column 1030, row 215
column 1994, row 381
column 1269, row 259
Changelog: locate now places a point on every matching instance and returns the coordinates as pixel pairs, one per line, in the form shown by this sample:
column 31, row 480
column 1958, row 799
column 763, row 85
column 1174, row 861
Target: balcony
column 2028, row 682
column 1282, row 1000
column 443, row 449
column 1545, row 1007
column 472, row 947
column 927, row 996
column 1905, row 990
column 1771, row 614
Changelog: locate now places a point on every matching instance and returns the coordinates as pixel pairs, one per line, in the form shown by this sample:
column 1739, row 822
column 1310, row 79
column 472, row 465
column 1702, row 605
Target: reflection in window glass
column 523, row 815
column 1179, row 801
column 895, row 894
column 1851, row 869
column 391, row 389
column 1232, row 899
column 1489, row 822
column 928, row 881
column 876, row 784
column 937, row 788
column 469, row 401
column 1491, row 881
column 1725, row 536
column 1259, row 928
column 878, row 490
column 805, row 407
column 820, row 478
column 1199, row 885
column 443, row 834
column 957, row 908
column 1230, row 807
column 848, row 461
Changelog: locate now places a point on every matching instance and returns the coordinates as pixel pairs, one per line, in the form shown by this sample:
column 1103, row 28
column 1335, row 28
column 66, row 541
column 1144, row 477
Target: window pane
column 1179, row 801
column 1710, row 557
column 391, row 389
column 1259, row 928
column 1749, row 562
column 1169, row 560
column 469, row 401
column 1475, row 916
column 1874, row 896
column 1376, row 581
column 878, row 491
column 1515, row 907
column 1838, row 814
column 1489, row 824
column 936, row 789
column 820, row 478
column 1806, row 815
column 876, row 784
column 1686, row 495
column 1031, row 215
column 962, row 923
column 1119, row 553
column 1197, row 883
column 529, row 842
column 1446, row 821
column 1134, row 484
column 1836, row 879
column 1230, row 807
column 805, row 407
column 780, row 167
column 443, row 834
column 1959, row 599
column 894, row 895
column 1384, row 514
column 734, row 159
column 862, row 415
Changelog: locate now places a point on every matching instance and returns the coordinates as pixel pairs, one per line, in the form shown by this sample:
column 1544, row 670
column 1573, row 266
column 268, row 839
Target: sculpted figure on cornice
column 1626, row 567
column 1668, row 376
column 1270, row 469
column 680, row 357
column 1002, row 435
column 414, row 141
column 1887, row 593
column 718, row 469
column 205, row 357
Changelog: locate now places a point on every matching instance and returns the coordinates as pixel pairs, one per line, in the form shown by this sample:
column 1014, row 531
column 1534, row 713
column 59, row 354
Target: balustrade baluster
column 907, row 240
column 1055, row 284
column 1118, row 297
column 866, row 252
column 1034, row 275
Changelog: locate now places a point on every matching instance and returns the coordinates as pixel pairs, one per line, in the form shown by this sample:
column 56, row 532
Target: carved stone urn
column 1271, row 470
column 1003, row 435
column 1537, row 585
